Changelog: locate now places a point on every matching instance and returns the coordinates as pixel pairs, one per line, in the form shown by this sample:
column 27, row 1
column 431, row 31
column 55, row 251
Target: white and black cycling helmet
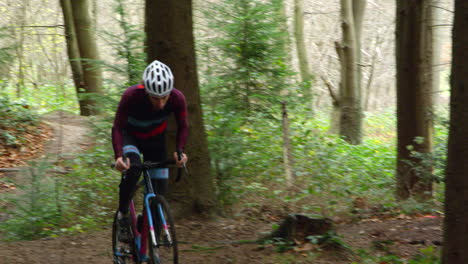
column 158, row 79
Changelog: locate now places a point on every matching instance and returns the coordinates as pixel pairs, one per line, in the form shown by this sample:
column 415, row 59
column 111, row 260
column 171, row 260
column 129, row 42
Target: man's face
column 159, row 102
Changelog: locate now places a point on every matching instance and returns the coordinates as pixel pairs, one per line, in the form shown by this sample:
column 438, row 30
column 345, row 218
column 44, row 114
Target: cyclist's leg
column 127, row 188
column 130, row 177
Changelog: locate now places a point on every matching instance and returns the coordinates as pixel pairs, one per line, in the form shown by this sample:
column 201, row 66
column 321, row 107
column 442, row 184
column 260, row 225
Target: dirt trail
column 69, row 137
column 220, row 242
column 70, row 134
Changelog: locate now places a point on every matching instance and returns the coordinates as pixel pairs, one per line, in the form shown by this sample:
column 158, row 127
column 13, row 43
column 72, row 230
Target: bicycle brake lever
column 185, row 168
column 179, row 172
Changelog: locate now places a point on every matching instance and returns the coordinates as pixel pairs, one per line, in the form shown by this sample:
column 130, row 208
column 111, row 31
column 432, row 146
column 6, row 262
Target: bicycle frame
column 141, row 238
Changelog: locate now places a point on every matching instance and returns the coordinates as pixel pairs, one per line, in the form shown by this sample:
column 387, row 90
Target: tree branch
column 320, row 13
column 49, row 26
column 448, row 10
column 330, row 88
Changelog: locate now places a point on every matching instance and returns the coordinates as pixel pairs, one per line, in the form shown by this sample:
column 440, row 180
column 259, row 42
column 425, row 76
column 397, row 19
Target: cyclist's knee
column 134, row 160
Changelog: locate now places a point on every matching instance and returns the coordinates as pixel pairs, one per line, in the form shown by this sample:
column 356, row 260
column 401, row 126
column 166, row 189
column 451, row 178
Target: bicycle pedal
column 123, row 252
column 144, row 258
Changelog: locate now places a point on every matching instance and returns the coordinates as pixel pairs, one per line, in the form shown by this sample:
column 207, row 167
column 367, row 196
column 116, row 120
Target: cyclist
column 139, row 128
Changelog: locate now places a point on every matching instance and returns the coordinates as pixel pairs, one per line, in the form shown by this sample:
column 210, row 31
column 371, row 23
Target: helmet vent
column 158, row 79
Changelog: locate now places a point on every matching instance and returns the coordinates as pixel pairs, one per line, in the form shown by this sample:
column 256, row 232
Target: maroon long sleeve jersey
column 136, row 115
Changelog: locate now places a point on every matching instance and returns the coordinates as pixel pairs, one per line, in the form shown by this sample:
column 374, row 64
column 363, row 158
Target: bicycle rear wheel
column 165, row 249
column 123, row 253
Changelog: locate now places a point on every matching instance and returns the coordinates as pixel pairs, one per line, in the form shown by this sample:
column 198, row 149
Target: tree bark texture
column 414, row 103
column 350, row 95
column 302, row 57
column 73, row 51
column 169, row 29
column 92, row 74
column 455, row 247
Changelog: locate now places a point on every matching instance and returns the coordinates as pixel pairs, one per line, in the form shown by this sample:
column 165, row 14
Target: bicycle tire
column 122, row 254
column 166, row 251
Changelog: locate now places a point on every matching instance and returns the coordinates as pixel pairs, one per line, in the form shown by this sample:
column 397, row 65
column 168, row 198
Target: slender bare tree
column 301, row 49
column 20, row 36
column 73, row 52
column 288, row 158
column 85, row 35
column 349, row 55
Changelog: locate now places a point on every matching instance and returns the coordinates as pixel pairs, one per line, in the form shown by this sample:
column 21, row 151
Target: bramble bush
column 15, row 119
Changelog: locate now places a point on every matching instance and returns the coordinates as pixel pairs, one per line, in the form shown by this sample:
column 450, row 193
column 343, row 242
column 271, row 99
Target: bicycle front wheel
column 163, row 247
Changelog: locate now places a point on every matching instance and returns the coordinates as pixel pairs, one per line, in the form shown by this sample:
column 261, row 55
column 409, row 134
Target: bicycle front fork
column 164, row 224
column 150, row 218
column 161, row 218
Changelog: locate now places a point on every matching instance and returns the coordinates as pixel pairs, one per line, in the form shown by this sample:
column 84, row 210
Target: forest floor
column 223, row 239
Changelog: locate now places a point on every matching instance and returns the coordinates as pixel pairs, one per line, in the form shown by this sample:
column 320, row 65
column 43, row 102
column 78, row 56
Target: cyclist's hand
column 182, row 161
column 122, row 165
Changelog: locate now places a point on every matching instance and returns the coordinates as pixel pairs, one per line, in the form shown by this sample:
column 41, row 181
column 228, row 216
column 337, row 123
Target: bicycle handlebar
column 151, row 165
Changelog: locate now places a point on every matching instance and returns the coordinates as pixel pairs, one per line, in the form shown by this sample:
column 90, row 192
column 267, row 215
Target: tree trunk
column 370, row 79
column 359, row 8
column 92, row 74
column 170, row 39
column 455, row 247
column 433, row 36
column 302, row 57
column 94, row 16
column 414, row 101
column 73, row 52
column 350, row 100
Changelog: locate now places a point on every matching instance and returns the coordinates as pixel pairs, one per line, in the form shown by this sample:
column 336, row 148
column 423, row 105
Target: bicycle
column 154, row 226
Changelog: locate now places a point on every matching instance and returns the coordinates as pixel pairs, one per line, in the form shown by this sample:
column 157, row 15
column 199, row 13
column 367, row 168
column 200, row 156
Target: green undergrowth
column 330, row 174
